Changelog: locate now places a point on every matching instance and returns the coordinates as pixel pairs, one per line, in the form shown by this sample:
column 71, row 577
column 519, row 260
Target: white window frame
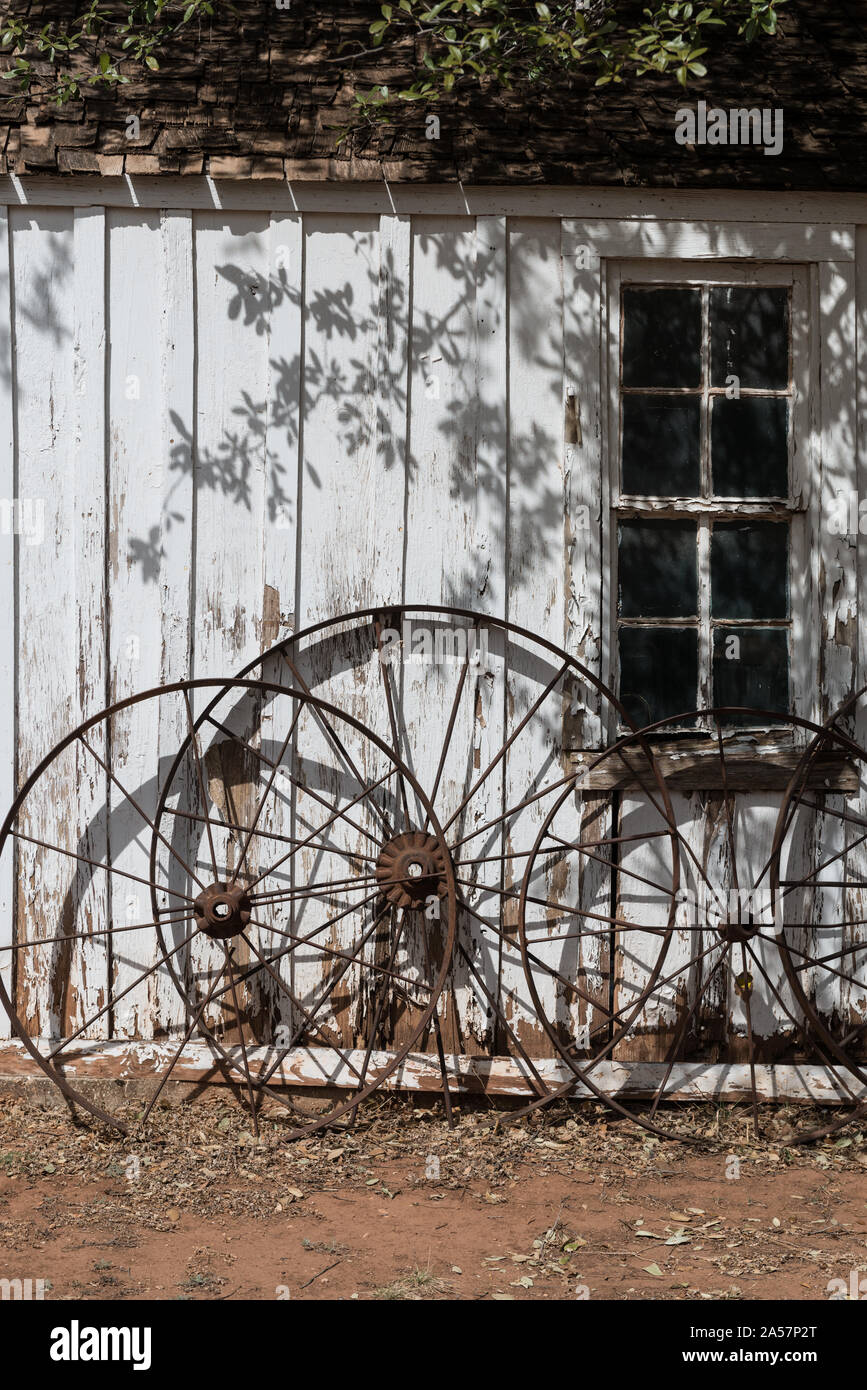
column 802, row 505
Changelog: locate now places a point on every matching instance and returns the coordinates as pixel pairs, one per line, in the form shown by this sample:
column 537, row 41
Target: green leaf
column 387, row 11
column 104, row 62
column 152, row 63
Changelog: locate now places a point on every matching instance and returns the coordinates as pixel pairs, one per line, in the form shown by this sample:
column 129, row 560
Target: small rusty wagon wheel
column 821, row 906
column 163, row 886
column 722, row 988
column 488, row 718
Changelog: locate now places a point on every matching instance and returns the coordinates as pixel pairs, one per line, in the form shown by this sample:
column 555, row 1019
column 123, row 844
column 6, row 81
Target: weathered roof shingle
column 267, row 96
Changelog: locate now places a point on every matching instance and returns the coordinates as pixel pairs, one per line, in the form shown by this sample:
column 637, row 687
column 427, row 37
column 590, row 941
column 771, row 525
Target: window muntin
column 704, row 507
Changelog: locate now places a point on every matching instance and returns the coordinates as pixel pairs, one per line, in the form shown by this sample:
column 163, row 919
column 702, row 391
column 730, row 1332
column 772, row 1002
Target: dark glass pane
column 749, row 447
column 751, row 667
column 749, row 569
column 658, row 672
column 661, row 446
column 658, row 569
column 749, row 336
column 661, row 337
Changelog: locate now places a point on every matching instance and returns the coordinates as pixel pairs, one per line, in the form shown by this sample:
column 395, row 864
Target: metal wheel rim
column 540, row 1092
column 49, row 1068
column 583, row 1073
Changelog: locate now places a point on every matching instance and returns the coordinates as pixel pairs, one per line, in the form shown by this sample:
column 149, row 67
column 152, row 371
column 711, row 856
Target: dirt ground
column 569, row 1203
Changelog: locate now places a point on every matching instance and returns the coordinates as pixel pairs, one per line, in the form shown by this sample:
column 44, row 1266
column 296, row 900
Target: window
column 707, row 527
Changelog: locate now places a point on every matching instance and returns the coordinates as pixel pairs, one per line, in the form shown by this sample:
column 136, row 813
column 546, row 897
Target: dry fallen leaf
column 679, row 1238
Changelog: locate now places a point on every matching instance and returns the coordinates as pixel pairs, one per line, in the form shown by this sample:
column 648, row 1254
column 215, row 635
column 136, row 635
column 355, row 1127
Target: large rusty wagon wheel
column 162, row 915
column 487, row 716
column 757, row 909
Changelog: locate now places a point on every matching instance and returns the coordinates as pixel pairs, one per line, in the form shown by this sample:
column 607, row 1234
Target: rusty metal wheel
column 727, row 987
column 822, row 906
column 490, row 719
column 156, row 883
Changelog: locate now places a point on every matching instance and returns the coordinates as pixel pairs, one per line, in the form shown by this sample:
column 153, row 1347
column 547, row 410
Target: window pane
column 749, row 447
column 661, row 446
column 749, row 569
column 661, row 337
column 658, row 672
column 658, row 569
column 751, row 667
column 749, row 336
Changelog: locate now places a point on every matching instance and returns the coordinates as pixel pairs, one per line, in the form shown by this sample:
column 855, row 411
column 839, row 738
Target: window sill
column 698, row 769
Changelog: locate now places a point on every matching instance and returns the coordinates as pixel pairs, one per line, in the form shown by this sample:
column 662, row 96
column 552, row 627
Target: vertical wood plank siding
column 236, row 423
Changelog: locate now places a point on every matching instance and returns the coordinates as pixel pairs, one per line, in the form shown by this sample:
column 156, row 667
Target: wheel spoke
column 95, row 864
column 240, row 1022
column 497, row 759
column 751, row 1043
column 330, row 733
column 89, row 935
column 308, row 791
column 562, row 908
column 201, row 779
column 683, row 1026
column 269, row 835
column 730, row 828
column 338, row 815
column 539, row 1087
column 600, row 859
column 339, row 955
column 800, row 1025
column 264, row 797
column 291, row 996
column 191, row 1027
column 395, row 739
column 116, row 998
column 145, row 817
column 371, row 1042
column 334, row 982
column 450, row 727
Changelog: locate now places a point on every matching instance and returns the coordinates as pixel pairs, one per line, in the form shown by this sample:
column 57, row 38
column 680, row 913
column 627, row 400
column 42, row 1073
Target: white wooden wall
column 275, row 416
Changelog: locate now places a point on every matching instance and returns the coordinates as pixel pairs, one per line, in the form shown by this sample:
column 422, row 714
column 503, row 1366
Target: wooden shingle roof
column 266, row 96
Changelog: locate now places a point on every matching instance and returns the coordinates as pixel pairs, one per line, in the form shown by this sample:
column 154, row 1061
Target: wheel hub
column 739, row 931
column 411, row 868
column 222, row 911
